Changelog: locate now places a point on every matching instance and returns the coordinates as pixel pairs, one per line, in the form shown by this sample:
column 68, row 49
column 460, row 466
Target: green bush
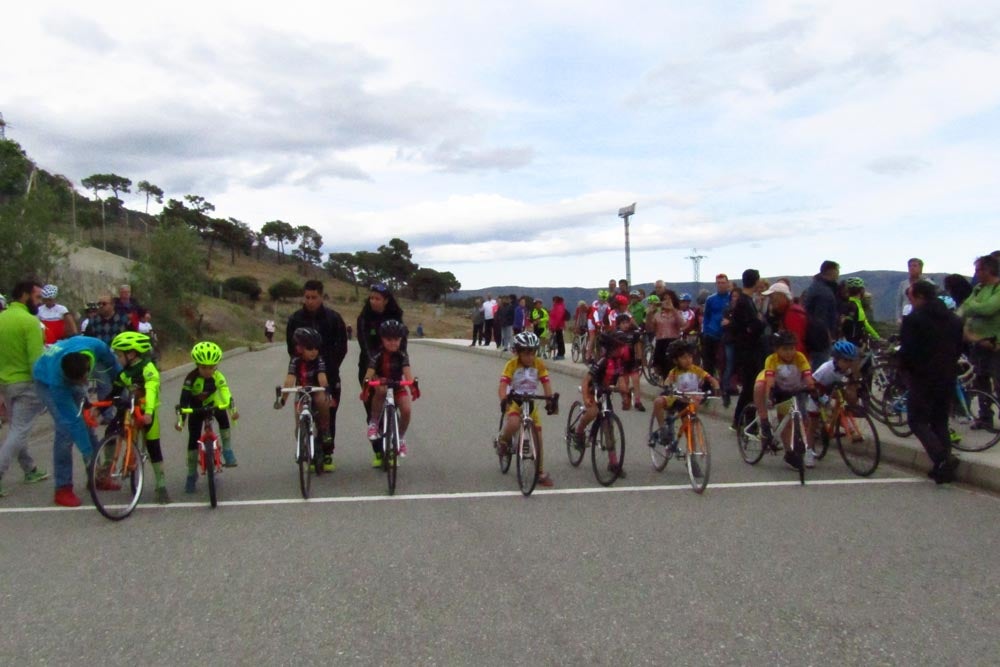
column 244, row 285
column 284, row 289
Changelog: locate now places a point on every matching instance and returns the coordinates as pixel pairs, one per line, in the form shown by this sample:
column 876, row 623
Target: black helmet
column 307, row 338
column 392, row 329
column 783, row 339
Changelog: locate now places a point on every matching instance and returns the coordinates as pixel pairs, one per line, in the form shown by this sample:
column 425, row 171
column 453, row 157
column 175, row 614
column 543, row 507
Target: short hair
column 917, row 260
column 828, row 265
column 721, row 275
column 923, row 289
column 313, row 286
column 750, row 278
column 990, row 264
column 75, row 366
column 24, row 287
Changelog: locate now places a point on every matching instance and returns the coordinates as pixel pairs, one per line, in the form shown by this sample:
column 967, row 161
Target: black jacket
column 331, row 328
column 930, row 343
column 368, row 339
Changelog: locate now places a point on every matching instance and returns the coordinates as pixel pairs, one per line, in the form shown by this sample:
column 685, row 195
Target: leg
column 23, row 405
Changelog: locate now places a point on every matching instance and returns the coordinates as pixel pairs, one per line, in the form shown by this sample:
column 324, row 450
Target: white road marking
column 469, row 495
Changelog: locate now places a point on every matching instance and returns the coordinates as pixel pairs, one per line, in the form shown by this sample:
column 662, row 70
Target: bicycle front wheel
column 799, row 446
column 506, row 454
column 390, row 450
column 659, row 452
column 857, row 440
column 574, row 450
column 699, row 461
column 576, row 350
column 304, row 456
column 115, row 479
column 527, row 459
column 748, row 435
column 213, row 497
column 607, row 449
column 894, row 410
column 973, row 421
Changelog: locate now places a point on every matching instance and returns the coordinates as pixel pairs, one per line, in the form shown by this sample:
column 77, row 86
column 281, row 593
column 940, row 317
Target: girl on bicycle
column 608, row 372
column 307, row 369
column 389, row 363
column 522, row 375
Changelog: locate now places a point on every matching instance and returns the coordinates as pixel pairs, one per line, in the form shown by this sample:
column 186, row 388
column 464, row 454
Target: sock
column 161, row 479
column 192, row 461
column 226, row 435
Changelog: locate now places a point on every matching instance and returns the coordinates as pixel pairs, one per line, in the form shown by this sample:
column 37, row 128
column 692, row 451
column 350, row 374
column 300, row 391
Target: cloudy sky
column 500, row 141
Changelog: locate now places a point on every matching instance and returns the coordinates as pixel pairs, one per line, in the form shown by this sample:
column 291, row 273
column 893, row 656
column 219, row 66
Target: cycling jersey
column 390, row 365
column 306, row 373
column 827, row 374
column 684, row 380
column 788, row 377
column 524, row 379
column 54, row 322
column 201, row 392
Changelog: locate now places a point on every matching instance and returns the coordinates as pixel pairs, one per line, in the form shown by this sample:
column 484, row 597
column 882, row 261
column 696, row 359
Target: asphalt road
column 458, row 568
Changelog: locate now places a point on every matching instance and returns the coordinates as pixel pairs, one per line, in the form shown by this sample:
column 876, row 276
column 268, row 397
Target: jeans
column 507, row 336
column 62, row 442
column 727, row 371
column 23, row 405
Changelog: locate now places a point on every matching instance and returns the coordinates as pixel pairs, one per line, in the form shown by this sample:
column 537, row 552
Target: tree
column 150, row 190
column 431, row 285
column 98, row 183
column 15, row 168
column 310, row 243
column 281, row 232
column 218, row 230
column 26, row 248
column 397, row 264
column 342, row 266
column 199, row 208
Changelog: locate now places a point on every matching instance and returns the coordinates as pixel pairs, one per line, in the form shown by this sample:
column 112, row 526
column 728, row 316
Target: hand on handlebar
column 552, row 404
column 415, row 390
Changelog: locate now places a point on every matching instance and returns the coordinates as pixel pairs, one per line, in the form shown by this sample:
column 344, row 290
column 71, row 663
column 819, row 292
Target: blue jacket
column 715, row 306
column 65, row 396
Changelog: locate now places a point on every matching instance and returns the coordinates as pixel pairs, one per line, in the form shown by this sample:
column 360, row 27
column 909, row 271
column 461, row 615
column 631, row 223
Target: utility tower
column 696, row 265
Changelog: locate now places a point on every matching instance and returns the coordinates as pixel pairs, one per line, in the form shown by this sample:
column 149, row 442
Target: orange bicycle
column 854, row 430
column 663, row 442
column 115, row 474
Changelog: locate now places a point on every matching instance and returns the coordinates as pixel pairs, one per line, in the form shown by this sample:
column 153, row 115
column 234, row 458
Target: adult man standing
column 822, row 313
column 711, row 329
column 915, row 272
column 21, row 344
column 59, row 323
column 108, row 322
column 128, row 306
column 477, row 323
column 505, row 322
column 930, row 344
column 981, row 314
column 747, row 331
column 269, row 328
column 333, row 332
column 489, row 311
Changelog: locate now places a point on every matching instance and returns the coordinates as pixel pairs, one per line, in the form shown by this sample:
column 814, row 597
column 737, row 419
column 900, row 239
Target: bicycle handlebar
column 305, row 389
column 395, row 384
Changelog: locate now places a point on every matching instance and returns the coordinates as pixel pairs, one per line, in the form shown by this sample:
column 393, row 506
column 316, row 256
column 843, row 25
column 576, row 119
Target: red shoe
column 105, row 483
column 66, row 497
column 545, row 480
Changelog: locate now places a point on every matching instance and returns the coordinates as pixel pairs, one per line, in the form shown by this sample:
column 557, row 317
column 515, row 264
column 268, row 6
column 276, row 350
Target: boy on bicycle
column 139, row 374
column 522, row 375
column 685, row 376
column 608, row 372
column 203, row 387
column 624, row 322
column 389, row 363
column 307, row 369
column 786, row 372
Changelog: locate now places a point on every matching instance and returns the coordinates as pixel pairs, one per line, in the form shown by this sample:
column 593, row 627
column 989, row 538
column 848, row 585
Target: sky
column 499, row 141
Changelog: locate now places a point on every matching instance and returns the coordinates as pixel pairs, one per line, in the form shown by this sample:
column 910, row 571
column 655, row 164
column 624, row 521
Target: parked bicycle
column 664, row 442
column 209, row 447
column 308, row 452
column 606, row 438
column 388, row 432
column 115, row 478
column 578, row 348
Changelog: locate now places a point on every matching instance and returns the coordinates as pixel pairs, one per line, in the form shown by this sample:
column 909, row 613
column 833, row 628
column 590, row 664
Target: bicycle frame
column 118, row 461
column 389, row 427
column 307, row 457
column 210, row 463
column 527, row 441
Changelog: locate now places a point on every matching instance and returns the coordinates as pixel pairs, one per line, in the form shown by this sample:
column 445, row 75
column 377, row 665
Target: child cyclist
column 608, row 372
column 786, row 372
column 685, row 376
column 203, row 387
column 625, row 323
column 139, row 375
column 840, row 369
column 307, row 369
column 389, row 363
column 522, row 375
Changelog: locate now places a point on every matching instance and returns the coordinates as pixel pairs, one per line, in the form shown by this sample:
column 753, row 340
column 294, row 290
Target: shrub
column 244, row 285
column 284, row 289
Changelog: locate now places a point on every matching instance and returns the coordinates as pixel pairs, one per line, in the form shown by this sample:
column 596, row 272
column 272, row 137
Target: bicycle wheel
column 799, row 446
column 115, row 479
column 304, row 455
column 894, row 410
column 857, row 440
column 576, row 351
column 527, row 459
column 607, row 449
column 973, row 421
column 821, row 437
column 574, row 451
column 881, row 379
column 649, row 370
column 210, row 472
column 659, row 452
column 699, row 461
column 503, row 456
column 390, row 450
column 748, row 435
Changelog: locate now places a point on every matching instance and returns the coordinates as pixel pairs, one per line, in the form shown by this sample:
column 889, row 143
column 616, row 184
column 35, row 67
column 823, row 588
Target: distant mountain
column 881, row 284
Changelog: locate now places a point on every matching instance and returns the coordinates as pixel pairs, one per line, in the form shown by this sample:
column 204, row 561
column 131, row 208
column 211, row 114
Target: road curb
column 975, row 470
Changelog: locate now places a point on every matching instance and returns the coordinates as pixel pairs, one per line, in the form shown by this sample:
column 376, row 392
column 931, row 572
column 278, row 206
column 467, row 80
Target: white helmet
column 526, row 340
column 50, row 292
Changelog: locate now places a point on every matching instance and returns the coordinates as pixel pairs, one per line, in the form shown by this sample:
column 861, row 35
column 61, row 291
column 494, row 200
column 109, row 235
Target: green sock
column 192, row 460
column 226, row 435
column 161, row 479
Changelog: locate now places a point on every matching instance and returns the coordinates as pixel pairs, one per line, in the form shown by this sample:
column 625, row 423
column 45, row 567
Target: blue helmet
column 845, row 349
column 948, row 301
column 685, row 297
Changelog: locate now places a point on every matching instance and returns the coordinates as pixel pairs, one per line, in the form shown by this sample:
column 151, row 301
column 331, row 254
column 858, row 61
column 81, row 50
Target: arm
column 71, row 328
column 982, row 304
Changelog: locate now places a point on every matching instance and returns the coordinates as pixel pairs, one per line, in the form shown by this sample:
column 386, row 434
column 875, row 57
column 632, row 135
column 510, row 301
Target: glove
column 364, row 394
column 278, row 404
column 415, row 390
column 503, row 405
column 552, row 404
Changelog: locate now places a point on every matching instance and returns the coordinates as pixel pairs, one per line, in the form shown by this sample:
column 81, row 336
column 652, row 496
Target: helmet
column 603, row 294
column 392, row 329
column 307, row 338
column 635, row 292
column 206, row 353
column 131, row 341
column 624, row 315
column 783, row 339
column 91, row 305
column 845, row 349
column 526, row 340
column 50, row 292
column 623, row 337
column 948, row 301
column 652, row 299
column 854, row 281
column 621, row 299
column 685, row 297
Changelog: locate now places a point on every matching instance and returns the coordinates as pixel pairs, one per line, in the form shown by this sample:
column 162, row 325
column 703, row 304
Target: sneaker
column 545, row 480
column 792, row 459
column 640, row 407
column 228, row 458
column 578, row 441
column 810, row 458
column 402, row 447
column 35, row 475
column 66, row 498
column 614, row 467
column 105, row 483
column 162, row 497
column 377, row 461
column 328, row 464
column 501, row 446
column 726, row 400
column 954, row 436
column 190, row 483
column 626, row 405
column 372, row 431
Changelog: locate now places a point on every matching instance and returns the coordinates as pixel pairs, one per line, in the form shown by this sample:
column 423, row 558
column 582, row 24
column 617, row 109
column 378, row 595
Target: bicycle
column 649, row 368
column 115, row 471
column 663, row 442
column 209, row 447
column 606, row 438
column 527, row 439
column 855, row 433
column 308, row 456
column 388, row 431
column 578, row 348
column 748, row 437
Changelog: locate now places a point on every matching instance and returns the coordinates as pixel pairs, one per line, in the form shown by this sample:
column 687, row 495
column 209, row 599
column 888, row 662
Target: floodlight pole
column 624, row 213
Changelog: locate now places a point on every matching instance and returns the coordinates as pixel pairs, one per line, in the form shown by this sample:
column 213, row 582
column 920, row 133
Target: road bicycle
column 606, row 438
column 115, row 471
column 308, row 453
column 748, row 435
column 649, row 368
column 388, row 431
column 526, row 445
column 853, row 429
column 663, row 442
column 578, row 348
column 209, row 447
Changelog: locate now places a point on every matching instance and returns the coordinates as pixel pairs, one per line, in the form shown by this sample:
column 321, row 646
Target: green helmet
column 652, row 299
column 206, row 353
column 854, row 281
column 131, row 341
column 603, row 294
